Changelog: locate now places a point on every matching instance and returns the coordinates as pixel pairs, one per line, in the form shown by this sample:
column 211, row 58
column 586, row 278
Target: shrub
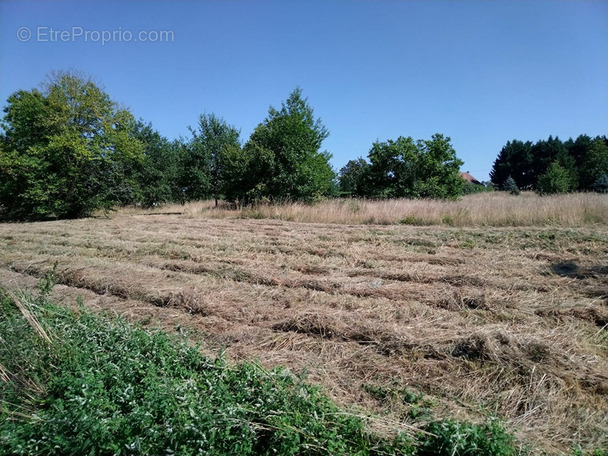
column 415, row 221
column 471, row 189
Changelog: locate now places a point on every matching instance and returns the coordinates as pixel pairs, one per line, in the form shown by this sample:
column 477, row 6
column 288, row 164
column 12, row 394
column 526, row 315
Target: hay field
column 508, row 321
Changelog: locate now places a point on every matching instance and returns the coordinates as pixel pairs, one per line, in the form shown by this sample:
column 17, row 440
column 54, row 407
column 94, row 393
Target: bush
column 471, row 189
column 415, row 221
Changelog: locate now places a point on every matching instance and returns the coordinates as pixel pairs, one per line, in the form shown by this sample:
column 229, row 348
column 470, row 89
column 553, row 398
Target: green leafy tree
column 284, row 161
column 158, row 173
column 440, row 169
column 354, row 178
column 67, row 151
column 568, row 163
column 195, row 173
column 248, row 172
column 208, row 148
column 236, row 179
column 555, row 180
column 423, row 169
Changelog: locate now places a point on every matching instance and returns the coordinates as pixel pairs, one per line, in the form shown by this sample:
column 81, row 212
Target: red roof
column 466, row 176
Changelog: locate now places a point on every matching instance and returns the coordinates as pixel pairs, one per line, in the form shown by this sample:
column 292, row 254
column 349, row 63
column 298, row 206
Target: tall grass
column 496, row 209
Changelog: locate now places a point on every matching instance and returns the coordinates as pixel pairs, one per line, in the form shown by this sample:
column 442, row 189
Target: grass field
column 459, row 318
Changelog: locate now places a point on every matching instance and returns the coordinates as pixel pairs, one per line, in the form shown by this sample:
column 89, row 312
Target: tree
column 511, row 186
column 544, row 153
column 568, row 163
column 208, row 148
column 423, row 169
column 248, row 171
column 284, row 161
column 236, row 178
column 67, row 150
column 440, row 169
column 578, row 149
column 581, row 159
column 594, row 164
column 555, row 180
column 353, row 178
column 515, row 161
column 158, row 173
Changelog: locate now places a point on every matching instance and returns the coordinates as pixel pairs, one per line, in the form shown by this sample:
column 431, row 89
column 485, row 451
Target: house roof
column 466, row 176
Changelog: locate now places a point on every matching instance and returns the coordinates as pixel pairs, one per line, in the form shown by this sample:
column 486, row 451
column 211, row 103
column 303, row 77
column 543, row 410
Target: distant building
column 467, row 176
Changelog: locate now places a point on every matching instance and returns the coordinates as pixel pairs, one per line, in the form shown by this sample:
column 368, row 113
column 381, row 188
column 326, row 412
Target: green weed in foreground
column 451, row 437
column 103, row 387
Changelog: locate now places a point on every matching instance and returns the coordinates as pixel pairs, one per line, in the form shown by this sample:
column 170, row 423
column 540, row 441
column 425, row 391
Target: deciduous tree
column 207, row 149
column 404, row 168
column 67, row 150
column 555, row 180
column 354, row 177
column 158, row 173
column 284, row 156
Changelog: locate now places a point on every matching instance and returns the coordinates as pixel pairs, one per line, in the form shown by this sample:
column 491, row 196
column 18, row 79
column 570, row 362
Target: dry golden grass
column 504, row 320
column 484, row 209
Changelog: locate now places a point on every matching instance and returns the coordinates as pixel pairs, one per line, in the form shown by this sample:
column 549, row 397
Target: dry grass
column 511, row 321
column 485, row 209
column 29, row 317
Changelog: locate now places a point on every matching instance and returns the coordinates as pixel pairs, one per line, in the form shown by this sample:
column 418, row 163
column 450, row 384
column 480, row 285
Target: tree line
column 67, row 150
column 553, row 166
column 405, row 168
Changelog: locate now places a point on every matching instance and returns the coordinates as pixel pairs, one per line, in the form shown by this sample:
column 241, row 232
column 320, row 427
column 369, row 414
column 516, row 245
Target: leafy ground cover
column 74, row 382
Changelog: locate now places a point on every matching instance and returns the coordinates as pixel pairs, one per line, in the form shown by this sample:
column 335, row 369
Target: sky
column 480, row 72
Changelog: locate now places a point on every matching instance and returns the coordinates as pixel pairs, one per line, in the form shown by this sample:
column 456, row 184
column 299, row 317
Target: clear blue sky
column 481, row 72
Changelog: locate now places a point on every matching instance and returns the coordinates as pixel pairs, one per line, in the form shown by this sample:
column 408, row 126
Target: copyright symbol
column 24, row 34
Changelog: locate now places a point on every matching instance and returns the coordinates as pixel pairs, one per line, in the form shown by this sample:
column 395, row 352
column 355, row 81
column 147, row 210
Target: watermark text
column 81, row 34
